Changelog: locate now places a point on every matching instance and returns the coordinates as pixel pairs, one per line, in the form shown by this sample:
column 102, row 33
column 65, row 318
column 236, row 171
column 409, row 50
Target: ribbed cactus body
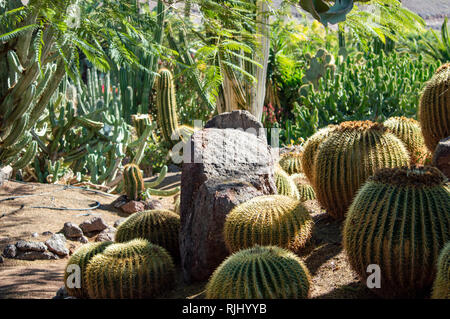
column 133, row 270
column 166, row 104
column 348, row 156
column 260, row 273
column 133, row 181
column 409, row 132
column 268, row 220
column 310, row 149
column 160, row 227
column 441, row 286
column 434, row 108
column 291, row 162
column 285, row 185
column 305, row 190
column 399, row 221
column 81, row 258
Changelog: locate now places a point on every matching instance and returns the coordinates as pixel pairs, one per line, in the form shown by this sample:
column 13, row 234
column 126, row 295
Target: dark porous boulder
column 224, row 168
column 441, row 157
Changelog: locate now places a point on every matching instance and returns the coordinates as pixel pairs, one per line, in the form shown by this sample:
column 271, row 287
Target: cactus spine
column 291, row 162
column 400, row 221
column 136, row 269
column 159, row 227
column 166, row 105
column 285, row 185
column 441, row 286
column 305, row 190
column 348, row 156
column 434, row 108
column 260, row 273
column 268, row 220
column 133, row 181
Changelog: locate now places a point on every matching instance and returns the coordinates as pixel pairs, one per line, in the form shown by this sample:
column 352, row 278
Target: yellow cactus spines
column 434, row 108
column 166, row 105
column 310, row 149
column 443, row 67
column 260, row 273
column 409, row 132
column 81, row 258
column 133, row 270
column 160, row 227
column 399, row 221
column 348, row 156
column 268, row 220
column 285, row 185
column 133, row 181
column 441, row 286
column 291, row 162
column 305, row 190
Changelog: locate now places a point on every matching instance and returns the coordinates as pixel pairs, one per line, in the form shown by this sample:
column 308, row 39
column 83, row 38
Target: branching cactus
column 441, row 286
column 399, row 221
column 166, row 105
column 268, row 220
column 260, row 273
column 133, row 270
column 318, row 66
column 285, row 185
column 160, row 227
column 305, row 190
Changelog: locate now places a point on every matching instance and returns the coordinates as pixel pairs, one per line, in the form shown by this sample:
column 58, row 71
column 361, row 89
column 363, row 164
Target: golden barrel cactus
column 285, row 185
column 399, row 221
column 291, row 162
column 441, row 287
column 305, row 190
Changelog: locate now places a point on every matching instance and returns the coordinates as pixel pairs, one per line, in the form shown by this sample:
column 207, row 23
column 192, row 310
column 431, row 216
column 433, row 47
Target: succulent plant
column 268, row 220
column 260, row 273
column 291, row 162
column 318, row 66
column 166, row 105
column 441, row 286
column 434, row 108
column 285, row 185
column 177, row 201
column 81, row 258
column 399, row 221
column 348, row 156
column 132, row 270
column 305, row 190
column 133, row 181
column 160, row 227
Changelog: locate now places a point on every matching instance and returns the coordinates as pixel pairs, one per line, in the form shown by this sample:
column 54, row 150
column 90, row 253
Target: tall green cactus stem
column 260, row 273
column 160, row 227
column 285, row 185
column 441, row 286
column 144, row 127
column 291, row 162
column 166, row 105
column 305, row 190
column 434, row 109
column 348, row 156
column 133, row 270
column 159, row 192
column 409, row 132
column 133, row 182
column 399, row 221
column 310, row 150
column 268, row 220
column 81, row 258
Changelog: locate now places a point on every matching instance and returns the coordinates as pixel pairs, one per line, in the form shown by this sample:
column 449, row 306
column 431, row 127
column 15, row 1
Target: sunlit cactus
column 166, row 105
column 291, row 162
column 285, row 185
column 133, row 181
column 305, row 190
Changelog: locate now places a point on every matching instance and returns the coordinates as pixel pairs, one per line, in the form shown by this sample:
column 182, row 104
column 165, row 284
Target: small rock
column 47, row 233
column 120, row 201
column 10, row 251
column 72, row 231
column 119, row 221
column 1, row 259
column 107, row 235
column 83, row 240
column 31, row 246
column 132, row 207
column 153, row 204
column 35, row 255
column 57, row 244
column 34, row 235
column 93, row 224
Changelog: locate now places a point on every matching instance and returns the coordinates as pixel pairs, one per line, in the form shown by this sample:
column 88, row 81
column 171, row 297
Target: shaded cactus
column 409, row 132
column 176, row 208
column 136, row 269
column 441, row 286
column 399, row 221
column 348, row 156
column 268, row 220
column 160, row 227
column 310, row 150
column 285, row 185
column 305, row 190
column 434, row 108
column 260, row 273
column 166, row 105
column 291, row 162
column 133, row 181
column 81, row 258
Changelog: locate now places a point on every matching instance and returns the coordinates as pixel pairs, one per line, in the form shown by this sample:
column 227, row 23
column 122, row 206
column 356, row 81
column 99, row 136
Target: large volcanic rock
column 223, row 168
column 441, row 157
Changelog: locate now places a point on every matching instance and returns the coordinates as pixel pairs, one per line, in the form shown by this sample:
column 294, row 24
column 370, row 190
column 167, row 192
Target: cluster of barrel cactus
column 305, row 190
column 291, row 162
column 285, row 185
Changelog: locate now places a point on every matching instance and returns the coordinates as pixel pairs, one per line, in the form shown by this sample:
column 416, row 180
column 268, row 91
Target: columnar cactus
column 133, row 181
column 348, row 156
column 310, row 150
column 434, row 108
column 260, row 273
column 441, row 286
column 160, row 227
column 285, row 185
column 409, row 132
column 136, row 269
column 305, row 190
column 166, row 105
column 399, row 221
column 268, row 220
column 291, row 162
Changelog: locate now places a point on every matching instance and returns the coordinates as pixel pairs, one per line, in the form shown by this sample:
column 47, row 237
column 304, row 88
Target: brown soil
column 331, row 274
